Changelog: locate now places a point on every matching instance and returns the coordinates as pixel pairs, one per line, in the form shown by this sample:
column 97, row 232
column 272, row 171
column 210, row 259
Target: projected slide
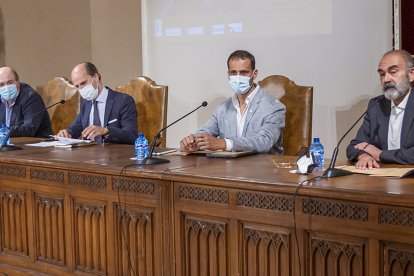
column 218, row 18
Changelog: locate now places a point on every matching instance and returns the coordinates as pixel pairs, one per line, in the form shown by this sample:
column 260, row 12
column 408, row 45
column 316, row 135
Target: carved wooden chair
column 151, row 101
column 61, row 115
column 297, row 134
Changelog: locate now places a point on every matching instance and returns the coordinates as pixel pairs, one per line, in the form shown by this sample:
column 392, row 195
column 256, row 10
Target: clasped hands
column 202, row 141
column 88, row 133
column 370, row 158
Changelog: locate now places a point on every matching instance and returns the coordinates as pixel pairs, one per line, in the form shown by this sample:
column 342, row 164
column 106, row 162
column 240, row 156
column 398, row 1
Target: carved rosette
column 203, row 194
column 87, row 180
column 14, row 171
column 50, row 229
column 47, row 175
column 394, row 216
column 133, row 185
column 267, row 201
column 335, row 208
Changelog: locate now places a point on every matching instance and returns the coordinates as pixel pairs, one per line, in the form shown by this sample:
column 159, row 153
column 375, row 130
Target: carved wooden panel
column 394, row 216
column 143, row 186
column 265, row 252
column 135, row 239
column 203, row 194
column 268, row 201
column 336, row 256
column 335, row 208
column 205, row 247
column 14, row 234
column 398, row 260
column 87, row 180
column 14, row 171
column 90, row 237
column 47, row 175
column 50, row 229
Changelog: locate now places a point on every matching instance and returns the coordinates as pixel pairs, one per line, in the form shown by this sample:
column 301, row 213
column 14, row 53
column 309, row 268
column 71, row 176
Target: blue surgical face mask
column 9, row 92
column 240, row 84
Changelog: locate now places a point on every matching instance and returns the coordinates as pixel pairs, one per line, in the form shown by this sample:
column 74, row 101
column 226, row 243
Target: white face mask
column 9, row 92
column 88, row 92
column 240, row 84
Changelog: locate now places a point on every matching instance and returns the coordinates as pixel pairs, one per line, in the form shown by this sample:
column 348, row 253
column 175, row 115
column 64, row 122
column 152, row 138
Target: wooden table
column 85, row 211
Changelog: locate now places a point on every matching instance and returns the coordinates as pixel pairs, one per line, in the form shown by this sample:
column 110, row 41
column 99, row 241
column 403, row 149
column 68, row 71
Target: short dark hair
column 91, row 69
column 242, row 54
column 406, row 56
column 16, row 76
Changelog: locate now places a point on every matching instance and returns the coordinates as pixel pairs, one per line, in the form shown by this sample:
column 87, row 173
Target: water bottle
column 318, row 152
column 4, row 131
column 141, row 147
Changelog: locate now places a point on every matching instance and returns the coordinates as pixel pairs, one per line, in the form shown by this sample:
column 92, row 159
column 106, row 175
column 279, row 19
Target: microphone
column 4, row 147
column 331, row 171
column 154, row 160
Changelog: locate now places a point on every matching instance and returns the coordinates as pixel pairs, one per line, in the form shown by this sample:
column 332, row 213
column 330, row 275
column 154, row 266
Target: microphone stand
column 331, row 171
column 154, row 160
column 4, row 147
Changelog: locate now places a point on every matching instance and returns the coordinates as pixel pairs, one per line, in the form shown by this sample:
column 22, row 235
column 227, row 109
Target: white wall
column 340, row 64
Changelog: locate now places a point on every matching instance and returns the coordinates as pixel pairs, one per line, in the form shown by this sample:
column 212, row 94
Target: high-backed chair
column 63, row 114
column 298, row 100
column 151, row 102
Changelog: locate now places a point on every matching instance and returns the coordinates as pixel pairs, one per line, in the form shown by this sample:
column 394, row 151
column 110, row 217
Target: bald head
column 9, row 76
column 84, row 73
column 10, row 73
column 403, row 54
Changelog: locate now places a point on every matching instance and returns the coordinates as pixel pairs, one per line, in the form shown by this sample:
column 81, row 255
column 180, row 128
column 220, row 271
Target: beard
column 393, row 91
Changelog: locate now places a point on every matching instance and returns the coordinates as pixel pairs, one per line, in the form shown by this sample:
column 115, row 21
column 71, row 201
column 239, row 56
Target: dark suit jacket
column 29, row 116
column 119, row 106
column 374, row 130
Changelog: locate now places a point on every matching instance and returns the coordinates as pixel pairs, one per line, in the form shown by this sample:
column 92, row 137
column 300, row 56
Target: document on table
column 62, row 142
column 390, row 172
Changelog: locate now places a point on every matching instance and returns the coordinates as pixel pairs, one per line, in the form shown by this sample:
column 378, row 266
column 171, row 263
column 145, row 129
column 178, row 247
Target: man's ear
column 411, row 74
column 255, row 73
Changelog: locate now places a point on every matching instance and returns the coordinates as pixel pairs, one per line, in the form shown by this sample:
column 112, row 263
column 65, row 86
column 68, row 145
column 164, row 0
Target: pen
column 112, row 121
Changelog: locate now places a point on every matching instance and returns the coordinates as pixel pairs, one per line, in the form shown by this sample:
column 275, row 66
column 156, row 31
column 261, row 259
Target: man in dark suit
column 21, row 107
column 387, row 133
column 104, row 114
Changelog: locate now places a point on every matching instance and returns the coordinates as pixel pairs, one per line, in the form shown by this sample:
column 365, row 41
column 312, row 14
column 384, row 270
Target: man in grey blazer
column 387, row 133
column 251, row 120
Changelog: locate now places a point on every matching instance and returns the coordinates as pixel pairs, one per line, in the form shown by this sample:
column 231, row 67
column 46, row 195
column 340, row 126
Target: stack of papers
column 62, row 142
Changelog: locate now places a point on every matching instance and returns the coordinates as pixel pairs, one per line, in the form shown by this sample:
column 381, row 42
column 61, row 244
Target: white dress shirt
column 101, row 99
column 395, row 124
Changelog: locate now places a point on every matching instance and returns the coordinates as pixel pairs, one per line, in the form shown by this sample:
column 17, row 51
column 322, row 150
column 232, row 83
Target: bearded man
column 387, row 133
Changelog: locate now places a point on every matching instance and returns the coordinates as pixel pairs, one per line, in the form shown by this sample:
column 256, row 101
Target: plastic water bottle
column 4, row 131
column 141, row 147
column 318, row 152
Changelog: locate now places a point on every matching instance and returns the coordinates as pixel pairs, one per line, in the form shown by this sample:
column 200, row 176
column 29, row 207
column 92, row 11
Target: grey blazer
column 262, row 128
